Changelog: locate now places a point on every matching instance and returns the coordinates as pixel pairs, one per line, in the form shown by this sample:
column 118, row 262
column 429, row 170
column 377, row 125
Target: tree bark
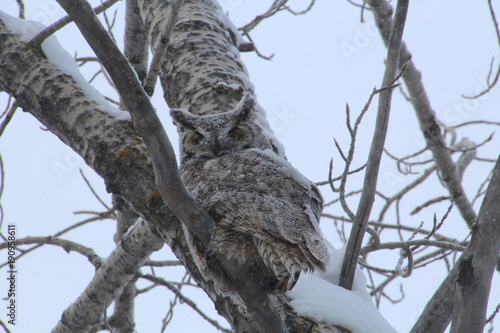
column 477, row 264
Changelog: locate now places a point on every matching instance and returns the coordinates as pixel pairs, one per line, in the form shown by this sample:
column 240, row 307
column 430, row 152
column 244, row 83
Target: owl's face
column 211, row 136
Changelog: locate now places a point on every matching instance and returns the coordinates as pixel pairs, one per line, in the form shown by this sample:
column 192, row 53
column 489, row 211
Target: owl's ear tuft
column 245, row 107
column 183, row 118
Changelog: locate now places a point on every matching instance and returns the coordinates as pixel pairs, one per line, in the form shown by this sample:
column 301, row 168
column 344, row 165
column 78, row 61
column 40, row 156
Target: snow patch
column 318, row 296
column 61, row 59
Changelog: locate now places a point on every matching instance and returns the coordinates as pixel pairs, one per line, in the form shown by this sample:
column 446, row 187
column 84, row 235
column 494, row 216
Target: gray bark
column 477, row 264
column 136, row 44
column 378, row 142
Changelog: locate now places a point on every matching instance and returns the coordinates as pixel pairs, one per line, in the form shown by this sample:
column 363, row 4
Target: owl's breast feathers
column 265, row 208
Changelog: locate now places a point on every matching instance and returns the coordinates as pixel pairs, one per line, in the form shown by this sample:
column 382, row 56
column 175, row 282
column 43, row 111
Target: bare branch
column 493, row 315
column 416, row 242
column 5, row 328
column 132, row 252
column 405, row 190
column 477, row 122
column 20, row 4
column 301, row 12
column 67, row 245
column 184, row 299
column 376, row 150
column 164, row 263
column 397, row 226
column 122, row 319
column 497, row 75
column 8, row 117
column 275, row 7
column 161, row 49
column 476, row 265
column 99, row 217
column 91, row 188
column 42, row 35
column 429, row 203
column 406, row 253
column 485, row 243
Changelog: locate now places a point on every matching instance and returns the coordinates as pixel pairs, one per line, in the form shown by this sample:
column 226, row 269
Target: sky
column 322, row 61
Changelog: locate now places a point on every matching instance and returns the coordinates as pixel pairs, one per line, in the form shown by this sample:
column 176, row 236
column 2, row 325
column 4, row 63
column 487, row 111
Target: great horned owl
column 266, row 212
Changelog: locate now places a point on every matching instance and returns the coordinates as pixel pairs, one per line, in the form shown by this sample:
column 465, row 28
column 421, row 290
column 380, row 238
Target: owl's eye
column 196, row 138
column 236, row 134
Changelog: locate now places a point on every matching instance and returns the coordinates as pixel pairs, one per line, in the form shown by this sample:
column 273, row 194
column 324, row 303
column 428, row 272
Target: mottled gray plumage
column 266, row 212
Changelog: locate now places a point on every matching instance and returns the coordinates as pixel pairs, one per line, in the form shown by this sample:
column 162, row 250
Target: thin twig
column 93, row 191
column 301, row 12
column 67, row 245
column 429, row 203
column 100, row 217
column 394, row 226
column 8, row 117
column 406, row 253
column 415, row 242
column 497, row 75
column 45, row 33
column 493, row 315
column 186, row 300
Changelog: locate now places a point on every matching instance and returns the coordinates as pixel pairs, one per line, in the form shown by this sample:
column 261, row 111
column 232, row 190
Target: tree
column 202, row 71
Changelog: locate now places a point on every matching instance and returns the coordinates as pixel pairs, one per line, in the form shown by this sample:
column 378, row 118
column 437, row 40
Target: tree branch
column 485, row 241
column 376, row 150
column 67, row 245
column 426, row 116
column 477, row 264
column 136, row 44
column 88, row 309
column 42, row 35
column 161, row 49
column 122, row 320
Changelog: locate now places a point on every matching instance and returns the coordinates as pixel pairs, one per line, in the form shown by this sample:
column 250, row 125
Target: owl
column 266, row 213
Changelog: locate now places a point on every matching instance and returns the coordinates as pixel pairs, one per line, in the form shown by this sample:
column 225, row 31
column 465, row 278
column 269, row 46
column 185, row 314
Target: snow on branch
column 318, row 295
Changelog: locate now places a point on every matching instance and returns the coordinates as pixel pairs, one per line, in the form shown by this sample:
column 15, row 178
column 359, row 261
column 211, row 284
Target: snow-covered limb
column 61, row 59
column 318, row 296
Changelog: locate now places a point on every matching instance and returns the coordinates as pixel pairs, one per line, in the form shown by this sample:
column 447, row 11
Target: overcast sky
column 322, row 61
